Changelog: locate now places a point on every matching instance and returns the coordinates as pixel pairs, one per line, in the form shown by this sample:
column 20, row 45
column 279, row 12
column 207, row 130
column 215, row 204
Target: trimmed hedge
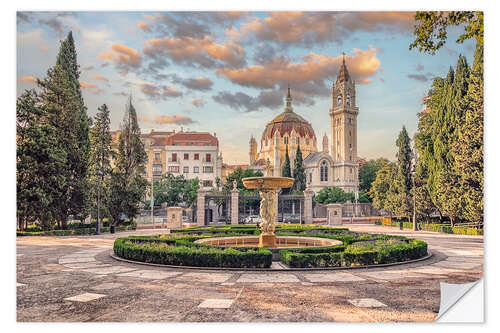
column 171, row 252
column 71, row 232
column 436, row 227
column 383, row 253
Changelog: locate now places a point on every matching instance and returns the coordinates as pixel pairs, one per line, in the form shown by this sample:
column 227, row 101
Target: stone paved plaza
column 74, row 279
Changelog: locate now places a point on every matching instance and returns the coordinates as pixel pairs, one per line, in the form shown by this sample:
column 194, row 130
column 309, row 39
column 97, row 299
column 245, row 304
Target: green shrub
column 179, row 252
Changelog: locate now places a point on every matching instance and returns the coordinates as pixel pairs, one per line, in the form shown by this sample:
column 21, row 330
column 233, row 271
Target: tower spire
column 288, row 107
column 343, row 73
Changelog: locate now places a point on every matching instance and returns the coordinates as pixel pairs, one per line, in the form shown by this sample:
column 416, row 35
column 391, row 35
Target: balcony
column 172, row 161
column 207, row 161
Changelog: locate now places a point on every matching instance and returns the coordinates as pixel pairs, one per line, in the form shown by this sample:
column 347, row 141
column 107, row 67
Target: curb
column 112, row 255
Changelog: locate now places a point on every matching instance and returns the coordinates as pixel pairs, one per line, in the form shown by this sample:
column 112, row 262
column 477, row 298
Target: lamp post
column 98, row 224
column 413, row 170
column 152, row 200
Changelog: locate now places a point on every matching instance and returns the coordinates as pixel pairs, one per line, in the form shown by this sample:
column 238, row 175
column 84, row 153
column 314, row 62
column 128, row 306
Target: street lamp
column 98, row 225
column 413, row 170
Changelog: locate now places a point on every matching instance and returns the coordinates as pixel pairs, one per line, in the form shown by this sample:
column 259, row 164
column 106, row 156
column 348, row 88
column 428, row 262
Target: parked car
column 251, row 219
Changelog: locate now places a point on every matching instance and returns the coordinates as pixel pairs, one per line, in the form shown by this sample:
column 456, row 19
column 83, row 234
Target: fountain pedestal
column 268, row 187
column 267, row 241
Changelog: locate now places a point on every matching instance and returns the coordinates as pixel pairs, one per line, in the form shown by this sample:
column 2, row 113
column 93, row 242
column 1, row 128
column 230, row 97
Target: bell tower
column 343, row 123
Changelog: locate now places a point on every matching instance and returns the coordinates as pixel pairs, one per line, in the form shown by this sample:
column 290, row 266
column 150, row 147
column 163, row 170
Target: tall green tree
column 40, row 159
column 399, row 197
column 101, row 154
column 62, row 99
column 237, row 175
column 380, row 187
column 468, row 146
column 127, row 183
column 368, row 172
column 299, row 175
column 286, row 171
column 431, row 28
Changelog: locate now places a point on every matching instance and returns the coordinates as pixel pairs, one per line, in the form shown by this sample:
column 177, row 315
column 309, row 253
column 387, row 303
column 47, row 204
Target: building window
column 196, row 156
column 174, row 157
column 208, row 169
column 196, row 169
column 348, row 100
column 207, row 183
column 186, row 156
column 173, row 169
column 310, row 177
column 185, row 170
column 208, row 158
column 298, row 141
column 285, row 140
column 156, row 169
column 351, row 170
column 324, row 172
column 157, row 156
column 307, row 142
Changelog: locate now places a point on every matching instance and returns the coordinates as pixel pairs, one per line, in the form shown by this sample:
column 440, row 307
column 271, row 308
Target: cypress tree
column 299, row 174
column 61, row 97
column 100, row 155
column 286, row 170
column 127, row 182
column 468, row 148
column 400, row 191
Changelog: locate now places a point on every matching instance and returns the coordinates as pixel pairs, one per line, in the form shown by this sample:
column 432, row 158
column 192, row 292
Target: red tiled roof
column 192, row 139
column 285, row 123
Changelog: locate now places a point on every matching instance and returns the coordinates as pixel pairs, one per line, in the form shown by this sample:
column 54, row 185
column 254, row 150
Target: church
column 335, row 165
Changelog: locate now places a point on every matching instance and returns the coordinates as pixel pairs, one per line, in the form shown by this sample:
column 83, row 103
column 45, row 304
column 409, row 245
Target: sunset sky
column 227, row 72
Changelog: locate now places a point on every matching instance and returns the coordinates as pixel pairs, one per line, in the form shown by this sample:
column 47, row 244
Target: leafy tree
column 40, row 159
column 101, row 154
column 381, row 185
column 431, row 28
column 131, row 157
column 332, row 194
column 237, row 175
column 368, row 172
column 174, row 190
column 299, row 175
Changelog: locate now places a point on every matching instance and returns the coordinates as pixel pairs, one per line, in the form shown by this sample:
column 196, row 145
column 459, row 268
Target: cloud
column 306, row 77
column 308, row 28
column 177, row 120
column 191, row 24
column 158, row 92
column 196, row 52
column 100, row 78
column 88, row 68
column 240, row 101
column 124, row 57
column 419, row 67
column 143, row 26
column 200, row 83
column 43, row 47
column 91, row 87
column 198, row 102
column 421, row 77
column 29, row 79
column 121, row 93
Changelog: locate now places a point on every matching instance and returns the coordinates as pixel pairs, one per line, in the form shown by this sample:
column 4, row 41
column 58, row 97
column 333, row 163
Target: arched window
column 298, row 140
column 339, row 100
column 285, row 140
column 323, row 172
column 348, row 100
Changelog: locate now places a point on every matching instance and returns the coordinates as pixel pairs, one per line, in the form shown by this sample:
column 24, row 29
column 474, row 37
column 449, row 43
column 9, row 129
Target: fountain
column 268, row 187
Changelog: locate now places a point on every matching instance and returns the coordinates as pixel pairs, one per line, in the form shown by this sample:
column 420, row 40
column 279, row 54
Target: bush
column 71, row 232
column 179, row 252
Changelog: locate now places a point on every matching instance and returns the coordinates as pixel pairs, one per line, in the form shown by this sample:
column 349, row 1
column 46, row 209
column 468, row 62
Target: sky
column 227, row 72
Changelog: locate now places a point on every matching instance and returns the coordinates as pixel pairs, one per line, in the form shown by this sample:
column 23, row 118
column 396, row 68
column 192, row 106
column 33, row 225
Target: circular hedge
column 180, row 249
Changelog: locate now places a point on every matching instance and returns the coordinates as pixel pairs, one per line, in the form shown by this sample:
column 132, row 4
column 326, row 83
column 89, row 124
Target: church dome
column 288, row 121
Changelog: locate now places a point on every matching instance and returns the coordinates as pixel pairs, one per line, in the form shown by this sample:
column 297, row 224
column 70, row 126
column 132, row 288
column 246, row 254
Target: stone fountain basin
column 267, row 182
column 282, row 242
